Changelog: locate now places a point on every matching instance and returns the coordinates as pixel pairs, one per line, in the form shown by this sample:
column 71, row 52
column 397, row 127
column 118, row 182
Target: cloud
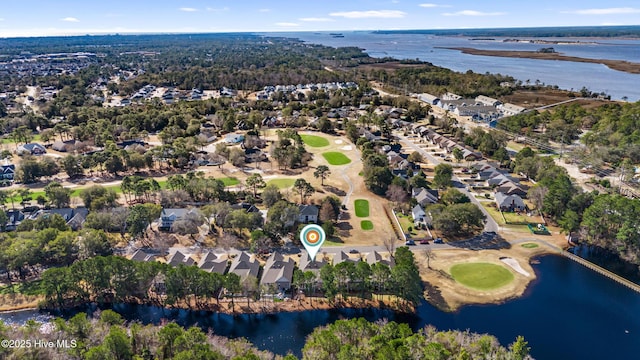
column 264, row 10
column 287, row 24
column 474, row 13
column 188, row 9
column 70, row 19
column 210, row 9
column 429, row 5
column 605, row 11
column 369, row 14
column 315, row 19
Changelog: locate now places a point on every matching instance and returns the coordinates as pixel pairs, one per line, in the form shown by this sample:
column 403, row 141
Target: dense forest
column 109, row 337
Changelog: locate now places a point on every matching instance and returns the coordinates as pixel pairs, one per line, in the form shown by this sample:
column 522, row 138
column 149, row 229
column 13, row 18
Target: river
column 565, row 74
column 569, row 312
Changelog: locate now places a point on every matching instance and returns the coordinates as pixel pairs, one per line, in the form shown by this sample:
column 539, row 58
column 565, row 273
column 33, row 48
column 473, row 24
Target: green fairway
column 230, row 181
column 362, row 207
column 314, row 141
column 282, row 183
column 336, row 158
column 529, row 246
column 481, row 276
column 366, row 225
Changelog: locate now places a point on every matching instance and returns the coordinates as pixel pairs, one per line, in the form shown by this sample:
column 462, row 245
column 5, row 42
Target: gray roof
column 277, row 270
column 213, row 263
column 306, row 264
column 308, row 210
column 141, row 255
column 342, row 257
column 180, row 259
column 504, row 200
column 243, row 265
column 375, row 257
column 178, row 213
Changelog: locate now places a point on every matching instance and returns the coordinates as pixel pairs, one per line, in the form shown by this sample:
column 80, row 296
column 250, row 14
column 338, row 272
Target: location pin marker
column 312, row 236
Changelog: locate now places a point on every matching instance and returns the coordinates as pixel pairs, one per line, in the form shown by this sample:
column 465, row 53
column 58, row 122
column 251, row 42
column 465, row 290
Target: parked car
column 424, row 241
column 410, row 242
column 353, row 251
column 438, row 241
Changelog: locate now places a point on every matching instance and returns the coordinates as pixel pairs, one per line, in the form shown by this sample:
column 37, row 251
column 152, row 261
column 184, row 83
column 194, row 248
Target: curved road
column 490, row 224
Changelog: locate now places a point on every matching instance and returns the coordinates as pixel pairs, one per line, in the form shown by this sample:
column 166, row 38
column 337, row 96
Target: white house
column 509, row 202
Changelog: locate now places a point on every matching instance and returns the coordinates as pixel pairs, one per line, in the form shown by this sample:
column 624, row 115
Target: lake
column 569, row 312
column 565, row 74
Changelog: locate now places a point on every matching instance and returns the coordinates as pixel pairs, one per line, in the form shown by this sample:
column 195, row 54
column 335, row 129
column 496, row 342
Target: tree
column 140, row 216
column 71, row 166
column 189, row 223
column 443, row 175
column 458, row 154
column 429, row 255
column 397, row 194
column 99, row 197
column 271, row 195
column 459, row 219
column 303, row 188
column 256, row 182
column 327, row 212
column 322, row 172
column 454, row 196
column 520, row 348
column 59, row 196
column 415, row 157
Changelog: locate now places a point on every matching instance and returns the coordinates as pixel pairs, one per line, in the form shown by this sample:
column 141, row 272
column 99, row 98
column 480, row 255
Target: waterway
column 565, row 74
column 569, row 312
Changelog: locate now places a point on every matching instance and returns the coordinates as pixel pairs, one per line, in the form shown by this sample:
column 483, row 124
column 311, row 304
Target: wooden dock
column 631, row 285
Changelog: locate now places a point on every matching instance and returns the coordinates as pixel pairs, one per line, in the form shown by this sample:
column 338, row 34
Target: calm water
column 567, row 75
column 570, row 312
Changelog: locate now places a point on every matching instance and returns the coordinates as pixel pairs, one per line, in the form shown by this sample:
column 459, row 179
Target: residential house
column 342, row 257
column 141, row 255
column 278, row 272
column 178, row 258
column 425, row 196
column 429, row 99
column 307, row 264
column 451, row 96
column 509, row 202
column 213, row 263
column 375, row 257
column 420, row 216
column 511, row 109
column 74, row 217
column 511, row 188
column 500, row 179
column 470, row 155
column 14, row 218
column 234, row 138
column 245, row 265
column 308, row 214
column 31, row 149
column 485, row 100
column 169, row 216
column 7, row 174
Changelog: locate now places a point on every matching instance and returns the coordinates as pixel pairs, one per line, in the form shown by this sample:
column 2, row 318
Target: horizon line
column 138, row 33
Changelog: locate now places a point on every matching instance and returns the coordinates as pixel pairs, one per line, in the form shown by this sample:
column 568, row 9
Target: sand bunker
column 347, row 148
column 338, row 141
column 515, row 266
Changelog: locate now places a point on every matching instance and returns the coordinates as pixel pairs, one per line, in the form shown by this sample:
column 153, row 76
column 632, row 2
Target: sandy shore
column 619, row 65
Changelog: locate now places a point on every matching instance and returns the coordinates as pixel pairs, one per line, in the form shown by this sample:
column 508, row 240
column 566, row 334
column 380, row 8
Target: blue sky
column 67, row 17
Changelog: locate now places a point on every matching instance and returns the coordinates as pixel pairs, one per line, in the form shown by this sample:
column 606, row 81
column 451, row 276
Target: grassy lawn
column 366, row 225
column 481, row 276
column 362, row 207
column 336, row 158
column 529, row 245
column 517, row 218
column 314, row 141
column 282, row 183
column 27, row 288
column 228, row 181
column 495, row 214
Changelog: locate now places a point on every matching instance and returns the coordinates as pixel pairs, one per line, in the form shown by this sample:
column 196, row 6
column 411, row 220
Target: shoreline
column 618, row 65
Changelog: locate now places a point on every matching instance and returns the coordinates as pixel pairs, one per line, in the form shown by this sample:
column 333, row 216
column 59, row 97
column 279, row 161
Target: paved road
column 490, row 224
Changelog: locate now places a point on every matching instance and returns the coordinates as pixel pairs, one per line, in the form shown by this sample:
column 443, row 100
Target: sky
column 73, row 17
